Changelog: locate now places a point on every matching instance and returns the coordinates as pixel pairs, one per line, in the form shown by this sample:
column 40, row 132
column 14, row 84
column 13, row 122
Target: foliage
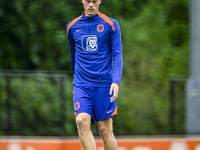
column 155, row 46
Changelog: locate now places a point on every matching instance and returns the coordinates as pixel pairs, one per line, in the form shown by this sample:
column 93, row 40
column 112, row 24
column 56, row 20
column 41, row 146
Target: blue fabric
column 96, row 51
column 95, row 101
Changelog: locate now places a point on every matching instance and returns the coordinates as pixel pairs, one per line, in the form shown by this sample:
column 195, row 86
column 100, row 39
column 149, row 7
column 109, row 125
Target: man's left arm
column 116, row 46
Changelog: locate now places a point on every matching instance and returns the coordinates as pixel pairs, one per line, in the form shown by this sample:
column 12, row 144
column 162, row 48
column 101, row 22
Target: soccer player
column 96, row 60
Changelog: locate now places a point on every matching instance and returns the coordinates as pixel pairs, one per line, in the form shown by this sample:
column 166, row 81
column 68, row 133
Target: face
column 91, row 7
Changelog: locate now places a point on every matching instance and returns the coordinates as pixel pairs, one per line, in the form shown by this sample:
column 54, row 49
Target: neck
column 90, row 15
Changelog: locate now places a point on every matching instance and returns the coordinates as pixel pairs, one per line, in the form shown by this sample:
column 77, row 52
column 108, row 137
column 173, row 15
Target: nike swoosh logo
column 78, row 30
column 109, row 111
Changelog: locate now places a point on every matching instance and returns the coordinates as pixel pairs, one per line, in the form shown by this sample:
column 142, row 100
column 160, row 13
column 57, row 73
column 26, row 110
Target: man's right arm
column 72, row 51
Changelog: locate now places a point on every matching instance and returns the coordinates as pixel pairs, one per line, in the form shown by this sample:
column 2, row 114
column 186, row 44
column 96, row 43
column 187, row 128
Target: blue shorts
column 95, row 101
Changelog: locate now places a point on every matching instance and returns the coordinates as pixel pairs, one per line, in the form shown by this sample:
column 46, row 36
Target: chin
column 90, row 14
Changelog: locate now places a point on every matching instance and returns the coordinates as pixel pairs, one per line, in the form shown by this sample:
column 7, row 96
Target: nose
column 91, row 4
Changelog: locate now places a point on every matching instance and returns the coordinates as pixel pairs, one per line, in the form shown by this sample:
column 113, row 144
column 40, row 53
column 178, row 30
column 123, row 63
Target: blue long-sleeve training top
column 96, row 50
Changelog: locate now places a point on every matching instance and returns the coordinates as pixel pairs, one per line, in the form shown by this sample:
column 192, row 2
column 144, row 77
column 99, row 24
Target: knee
column 104, row 132
column 80, row 121
column 82, row 124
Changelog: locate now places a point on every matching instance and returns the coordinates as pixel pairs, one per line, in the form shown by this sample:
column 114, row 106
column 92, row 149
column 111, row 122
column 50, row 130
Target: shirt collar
column 91, row 16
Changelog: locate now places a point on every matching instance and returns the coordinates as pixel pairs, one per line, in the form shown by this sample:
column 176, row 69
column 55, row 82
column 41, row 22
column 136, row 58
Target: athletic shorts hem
column 104, row 118
column 75, row 114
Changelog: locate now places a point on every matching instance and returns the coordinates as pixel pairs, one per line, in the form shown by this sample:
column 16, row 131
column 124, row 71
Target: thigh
column 106, row 125
column 103, row 108
column 82, row 101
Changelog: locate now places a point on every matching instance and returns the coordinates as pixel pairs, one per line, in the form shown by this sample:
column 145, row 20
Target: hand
column 114, row 87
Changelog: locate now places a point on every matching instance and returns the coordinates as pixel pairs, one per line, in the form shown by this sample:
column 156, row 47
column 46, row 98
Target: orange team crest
column 76, row 106
column 100, row 28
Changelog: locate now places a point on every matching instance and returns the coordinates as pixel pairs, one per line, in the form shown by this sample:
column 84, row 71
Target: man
column 96, row 60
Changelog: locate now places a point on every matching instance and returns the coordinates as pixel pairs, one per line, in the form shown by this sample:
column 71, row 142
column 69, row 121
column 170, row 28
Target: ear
column 100, row 1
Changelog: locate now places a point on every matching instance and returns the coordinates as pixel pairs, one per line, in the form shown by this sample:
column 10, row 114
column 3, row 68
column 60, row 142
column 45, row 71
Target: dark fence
column 14, row 103
column 177, row 105
column 39, row 103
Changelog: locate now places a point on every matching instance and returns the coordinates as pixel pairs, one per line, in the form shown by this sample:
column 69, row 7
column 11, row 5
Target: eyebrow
column 92, row 0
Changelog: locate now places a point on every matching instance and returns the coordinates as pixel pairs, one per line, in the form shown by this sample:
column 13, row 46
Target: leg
column 86, row 137
column 106, row 132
